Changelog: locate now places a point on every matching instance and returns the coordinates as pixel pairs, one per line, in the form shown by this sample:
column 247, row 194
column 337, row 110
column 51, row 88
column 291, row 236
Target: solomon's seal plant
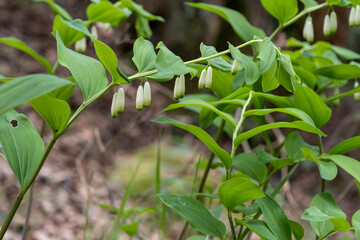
column 244, row 103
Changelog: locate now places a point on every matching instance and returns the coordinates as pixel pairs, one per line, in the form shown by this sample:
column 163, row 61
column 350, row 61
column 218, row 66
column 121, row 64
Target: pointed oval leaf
column 258, row 227
column 328, row 170
column 217, row 62
column 195, row 214
column 54, row 111
column 67, row 33
column 346, row 146
column 275, row 218
column 348, row 164
column 16, row 43
column 248, row 163
column 106, row 12
column 21, row 144
column 203, row 136
column 24, row 89
column 89, row 73
column 144, row 55
column 282, row 10
column 356, row 224
column 297, row 230
column 267, row 55
column 237, row 191
column 238, row 22
column 340, row 72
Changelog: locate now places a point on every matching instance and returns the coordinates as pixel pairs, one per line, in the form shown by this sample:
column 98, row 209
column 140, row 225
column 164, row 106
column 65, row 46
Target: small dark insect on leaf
column 14, row 123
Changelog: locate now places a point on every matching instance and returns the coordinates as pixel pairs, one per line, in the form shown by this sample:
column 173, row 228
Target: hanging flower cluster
column 354, row 17
column 308, row 31
column 118, row 103
column 330, row 24
column 205, row 79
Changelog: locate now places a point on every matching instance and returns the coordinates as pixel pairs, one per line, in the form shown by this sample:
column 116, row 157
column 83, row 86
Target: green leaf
column 167, row 62
column 21, row 144
column 340, row 72
column 275, row 218
column 139, row 10
column 68, row 34
column 310, row 155
column 291, row 111
column 297, row 230
column 281, row 163
column 203, row 136
column 356, row 224
column 238, row 22
column 142, row 27
column 282, row 10
column 106, row 12
column 346, row 146
column 285, row 73
column 237, row 191
column 267, row 55
column 29, row 87
column 345, row 53
column 269, row 81
column 306, row 76
column 295, row 145
column 197, row 102
column 311, row 103
column 144, row 55
column 296, row 124
column 195, row 214
column 88, row 73
column 348, row 164
column 328, row 170
column 217, row 62
column 16, row 43
column 279, row 101
column 309, row 3
column 197, row 237
column 258, row 227
column 54, row 111
column 249, row 164
column 57, row 9
column 252, row 72
column 130, row 229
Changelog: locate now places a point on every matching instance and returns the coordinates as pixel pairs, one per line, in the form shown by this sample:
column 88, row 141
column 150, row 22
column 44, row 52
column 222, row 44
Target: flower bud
column 147, row 94
column 357, row 94
column 114, row 113
column 140, row 98
column 357, row 15
column 326, row 26
column 120, row 102
column 202, row 79
column 235, row 67
column 352, row 17
column 208, row 81
column 80, row 45
column 333, row 22
column 181, row 86
column 309, row 28
column 337, row 101
column 94, row 31
column 176, row 89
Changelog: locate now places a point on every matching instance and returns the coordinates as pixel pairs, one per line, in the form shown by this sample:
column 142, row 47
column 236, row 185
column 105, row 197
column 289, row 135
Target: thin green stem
column 321, row 150
column 297, row 17
column 231, row 221
column 54, row 68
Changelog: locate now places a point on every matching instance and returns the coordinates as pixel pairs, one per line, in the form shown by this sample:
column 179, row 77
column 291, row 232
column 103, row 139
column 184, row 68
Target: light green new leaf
column 217, row 62
column 340, row 72
column 248, row 163
column 269, row 81
column 130, row 229
column 309, row 154
column 296, row 124
column 291, row 111
column 195, row 214
column 167, row 62
column 297, row 230
column 203, row 136
column 346, row 146
column 282, row 10
column 238, row 22
column 139, row 10
column 267, row 55
column 197, row 102
column 297, row 149
column 348, row 164
column 16, row 43
column 142, row 26
column 54, row 111
column 356, row 224
column 306, row 76
column 345, row 53
column 311, row 103
column 275, row 218
column 57, row 9
column 144, row 55
column 106, row 12
column 328, row 170
column 68, row 34
column 29, row 87
column 237, row 191
column 286, row 74
column 258, row 227
column 342, row 95
column 282, row 102
column 21, row 145
column 88, row 73
column 252, row 72
column 309, row 3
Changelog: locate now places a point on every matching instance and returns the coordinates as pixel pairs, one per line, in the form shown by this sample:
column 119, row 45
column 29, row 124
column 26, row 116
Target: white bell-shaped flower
column 80, row 45
column 202, row 79
column 181, row 86
column 352, row 17
column 147, row 94
column 120, row 101
column 235, row 67
column 140, row 98
column 114, row 107
column 333, row 22
column 357, row 15
column 326, row 26
column 209, row 76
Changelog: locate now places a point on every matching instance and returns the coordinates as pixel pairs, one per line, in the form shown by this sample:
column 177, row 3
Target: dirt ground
column 93, row 161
